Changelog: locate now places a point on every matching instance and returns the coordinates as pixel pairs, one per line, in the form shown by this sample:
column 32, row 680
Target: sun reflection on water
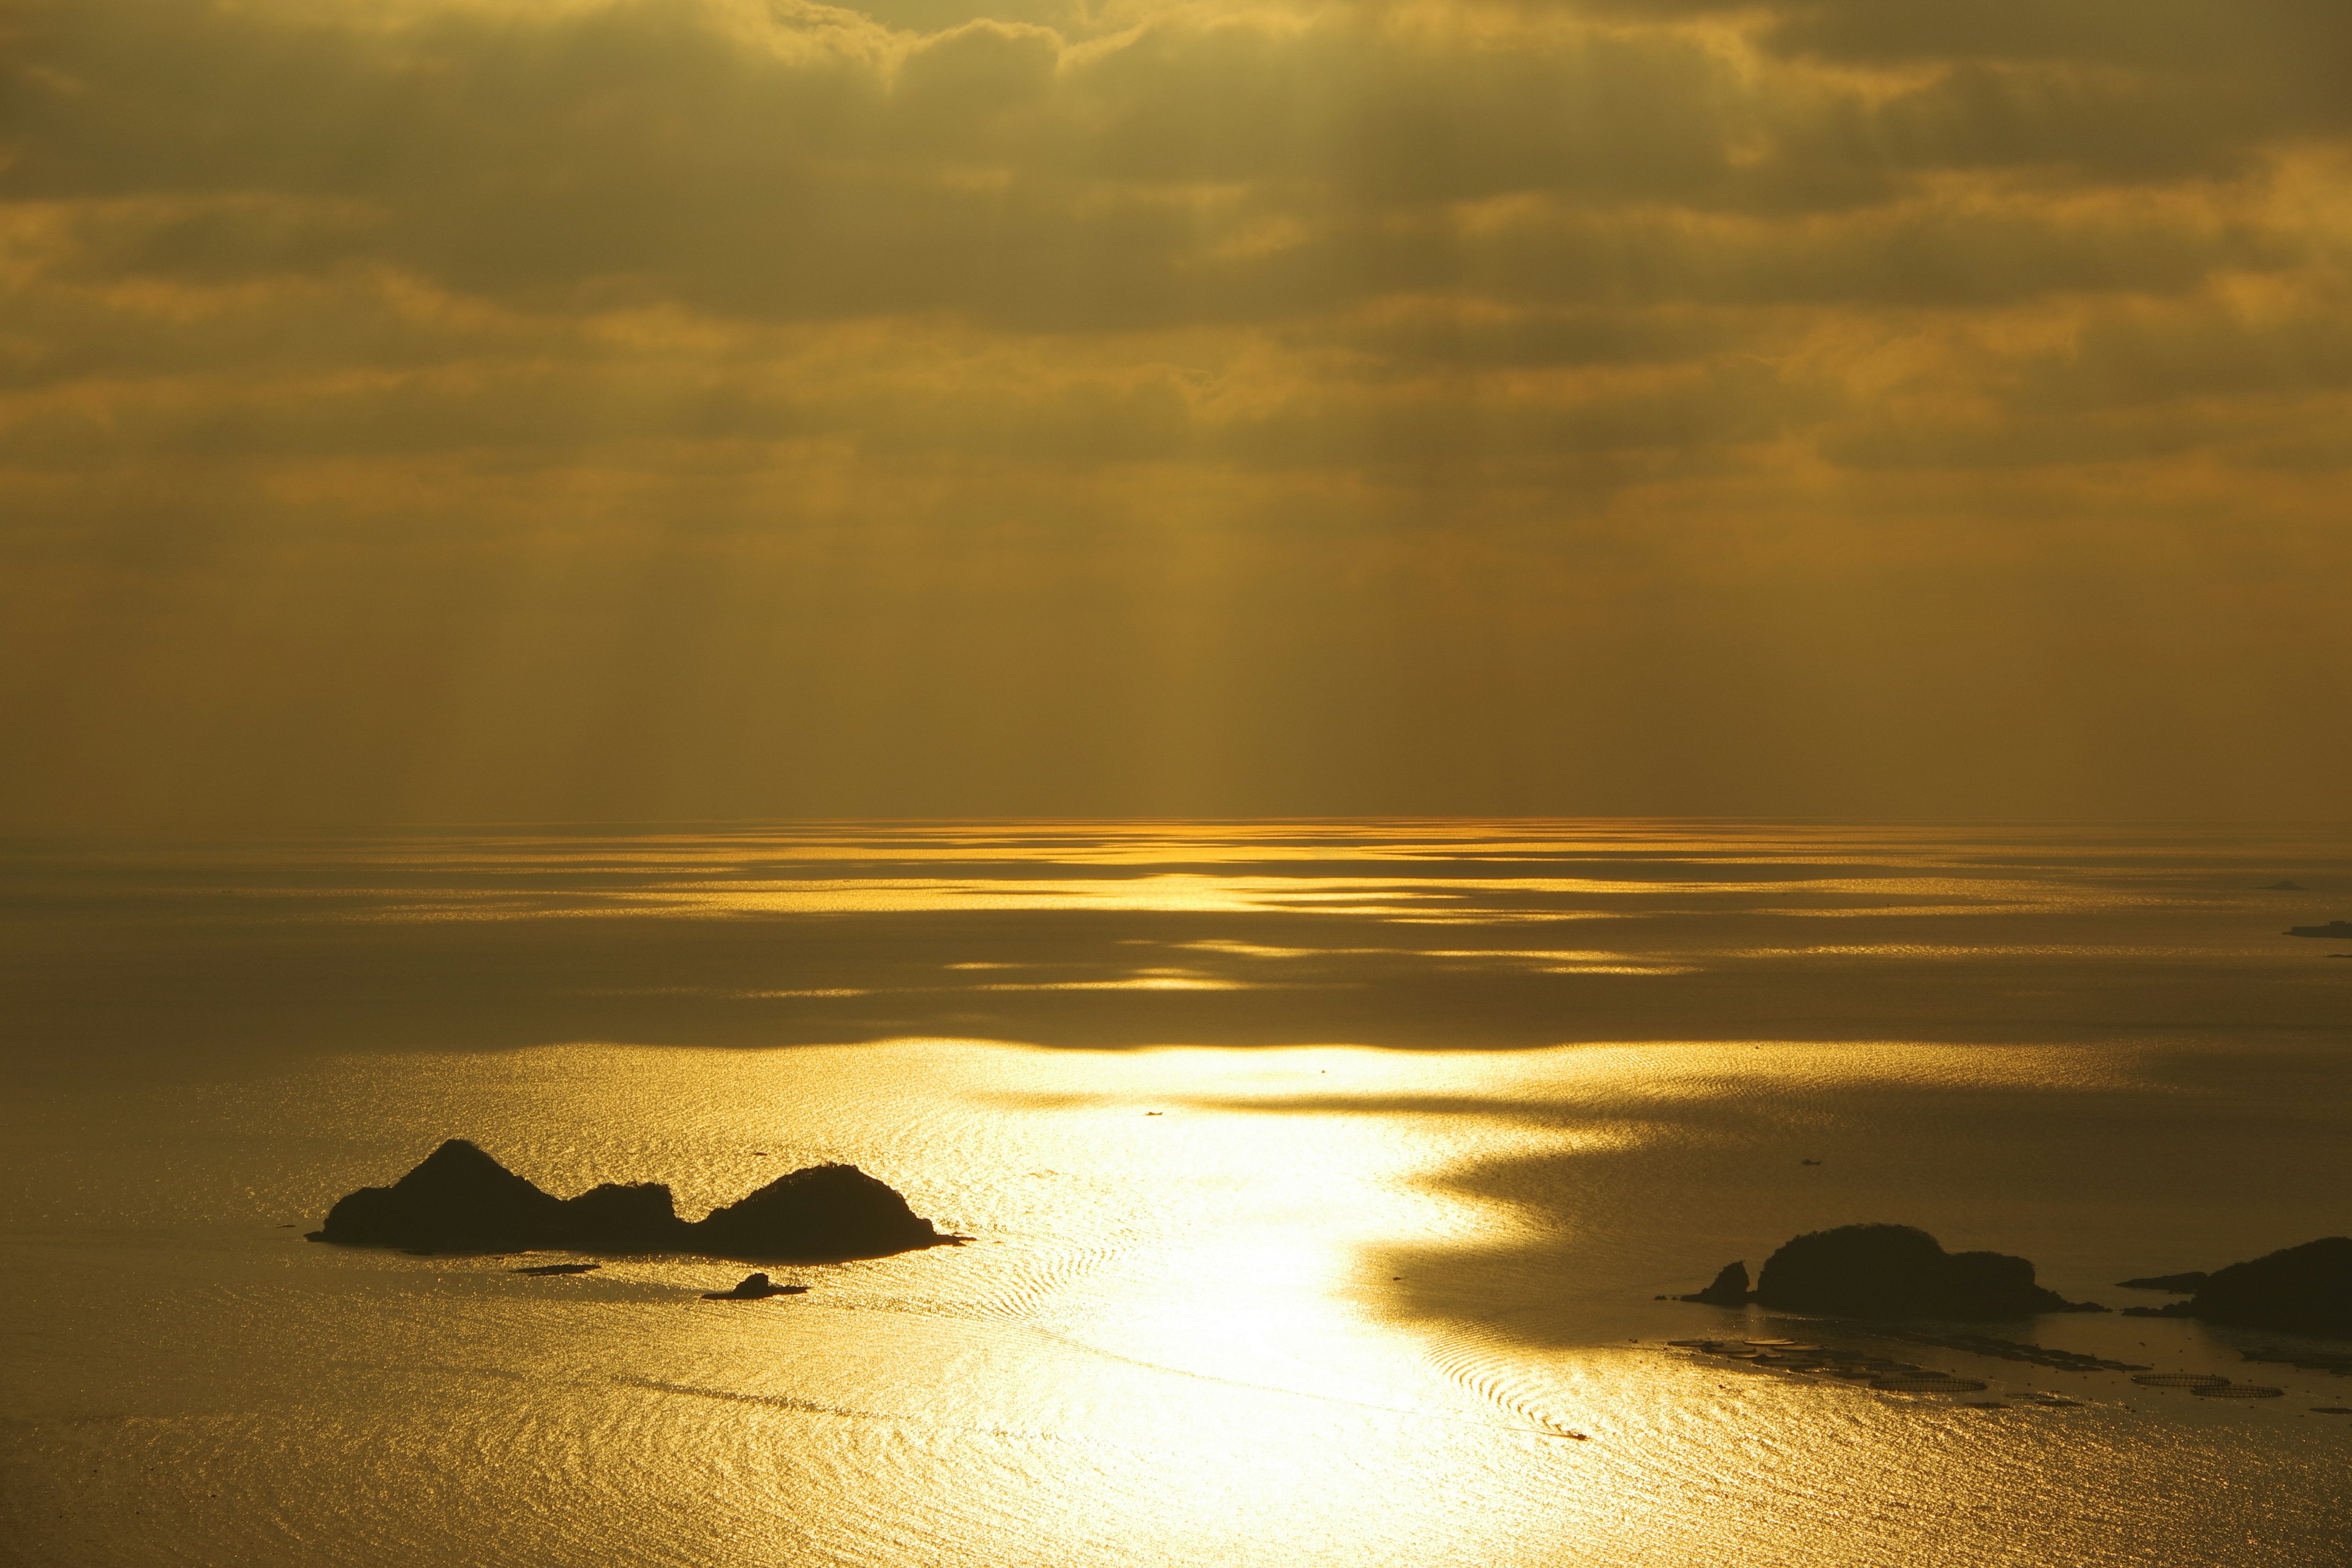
column 1370, row 1299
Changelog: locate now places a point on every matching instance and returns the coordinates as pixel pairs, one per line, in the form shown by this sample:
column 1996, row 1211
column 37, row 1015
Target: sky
column 602, row 410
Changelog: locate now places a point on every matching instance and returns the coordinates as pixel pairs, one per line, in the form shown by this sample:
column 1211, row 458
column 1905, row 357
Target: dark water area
column 1323, row 1178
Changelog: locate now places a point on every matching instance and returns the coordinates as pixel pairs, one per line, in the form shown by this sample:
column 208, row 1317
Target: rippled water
column 1322, row 1178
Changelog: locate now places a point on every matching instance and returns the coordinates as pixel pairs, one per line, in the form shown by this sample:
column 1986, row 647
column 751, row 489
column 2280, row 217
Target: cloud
column 1198, row 344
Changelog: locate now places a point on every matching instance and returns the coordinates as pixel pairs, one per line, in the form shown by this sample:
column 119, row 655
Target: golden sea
column 1323, row 1179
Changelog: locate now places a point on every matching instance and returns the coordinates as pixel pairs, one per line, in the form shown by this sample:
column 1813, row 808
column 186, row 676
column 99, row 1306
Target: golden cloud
column 1517, row 360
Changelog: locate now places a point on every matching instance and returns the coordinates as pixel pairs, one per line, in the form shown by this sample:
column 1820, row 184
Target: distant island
column 755, row 1287
column 2303, row 1290
column 1887, row 1271
column 2172, row 1284
column 2334, row 930
column 460, row 1199
column 1892, row 1272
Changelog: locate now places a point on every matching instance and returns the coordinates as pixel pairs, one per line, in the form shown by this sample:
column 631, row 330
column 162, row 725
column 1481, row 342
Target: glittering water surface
column 1321, row 1176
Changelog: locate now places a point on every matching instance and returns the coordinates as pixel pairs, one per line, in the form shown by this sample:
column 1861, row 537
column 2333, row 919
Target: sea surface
column 1323, row 1179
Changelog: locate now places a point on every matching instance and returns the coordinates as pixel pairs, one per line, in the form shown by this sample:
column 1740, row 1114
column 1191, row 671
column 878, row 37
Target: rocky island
column 2303, row 1290
column 460, row 1199
column 755, row 1287
column 1887, row 1271
column 1729, row 1288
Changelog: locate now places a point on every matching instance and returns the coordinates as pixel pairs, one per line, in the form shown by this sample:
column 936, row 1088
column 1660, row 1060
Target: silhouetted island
column 1888, row 1271
column 755, row 1287
column 2336, row 931
column 2177, row 1284
column 2305, row 1289
column 461, row 1200
column 1729, row 1289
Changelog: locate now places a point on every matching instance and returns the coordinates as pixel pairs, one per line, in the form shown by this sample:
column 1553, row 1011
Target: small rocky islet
column 1887, row 1271
column 460, row 1199
column 1884, row 1274
column 1898, row 1271
column 755, row 1287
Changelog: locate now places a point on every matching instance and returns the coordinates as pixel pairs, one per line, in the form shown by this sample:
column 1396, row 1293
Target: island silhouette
column 2334, row 930
column 2303, row 1290
column 1887, row 1271
column 2184, row 1284
column 1893, row 1271
column 755, row 1287
column 460, row 1199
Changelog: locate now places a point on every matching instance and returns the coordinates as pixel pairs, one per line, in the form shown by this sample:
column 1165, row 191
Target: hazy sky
column 466, row 409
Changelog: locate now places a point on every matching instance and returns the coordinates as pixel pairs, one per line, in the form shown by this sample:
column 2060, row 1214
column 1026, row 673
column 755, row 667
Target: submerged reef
column 1888, row 1271
column 460, row 1199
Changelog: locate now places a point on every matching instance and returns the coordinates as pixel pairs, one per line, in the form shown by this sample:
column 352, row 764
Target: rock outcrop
column 1729, row 1289
column 2305, row 1289
column 825, row 1211
column 755, row 1287
column 2334, row 930
column 460, row 1199
column 1900, row 1272
column 617, row 1216
column 457, row 1200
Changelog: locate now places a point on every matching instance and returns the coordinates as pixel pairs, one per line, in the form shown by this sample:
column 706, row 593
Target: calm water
column 1323, row 1177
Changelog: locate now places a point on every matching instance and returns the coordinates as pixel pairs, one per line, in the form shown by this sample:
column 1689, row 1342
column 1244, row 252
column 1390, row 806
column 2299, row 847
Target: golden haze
column 695, row 408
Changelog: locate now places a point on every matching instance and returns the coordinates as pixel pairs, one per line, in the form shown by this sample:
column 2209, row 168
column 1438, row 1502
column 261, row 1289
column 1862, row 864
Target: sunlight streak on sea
column 1304, row 1231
